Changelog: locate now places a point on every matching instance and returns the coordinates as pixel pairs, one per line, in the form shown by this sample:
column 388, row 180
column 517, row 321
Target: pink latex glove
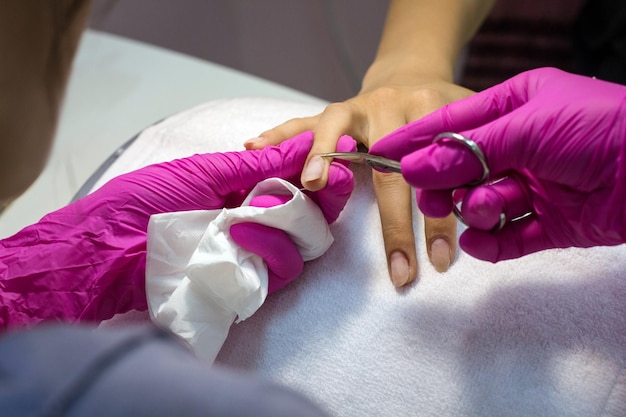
column 558, row 139
column 284, row 261
column 87, row 260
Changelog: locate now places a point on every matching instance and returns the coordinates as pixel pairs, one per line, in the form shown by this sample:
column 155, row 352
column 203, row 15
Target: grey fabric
column 55, row 371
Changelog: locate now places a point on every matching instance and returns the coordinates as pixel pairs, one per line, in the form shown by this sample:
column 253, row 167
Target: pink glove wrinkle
column 86, row 261
column 283, row 259
column 559, row 142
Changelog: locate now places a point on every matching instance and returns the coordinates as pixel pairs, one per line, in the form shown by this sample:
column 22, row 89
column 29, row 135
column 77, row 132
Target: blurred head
column 38, row 40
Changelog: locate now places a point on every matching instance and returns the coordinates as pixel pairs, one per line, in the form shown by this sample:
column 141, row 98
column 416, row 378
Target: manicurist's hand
column 87, row 260
column 410, row 77
column 555, row 146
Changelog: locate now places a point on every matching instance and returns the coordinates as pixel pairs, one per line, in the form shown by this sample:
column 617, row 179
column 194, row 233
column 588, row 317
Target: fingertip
column 399, row 269
column 315, row 173
column 313, row 186
column 273, row 137
column 269, row 200
column 346, row 144
column 440, row 254
column 441, row 237
column 480, row 244
column 268, row 138
column 254, row 144
column 482, row 208
column 434, row 203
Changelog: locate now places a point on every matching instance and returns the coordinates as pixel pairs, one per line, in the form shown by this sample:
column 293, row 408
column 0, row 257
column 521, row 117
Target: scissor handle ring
column 467, row 142
column 472, row 147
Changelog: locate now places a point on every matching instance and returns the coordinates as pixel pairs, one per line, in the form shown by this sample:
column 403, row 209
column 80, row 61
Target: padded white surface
column 541, row 336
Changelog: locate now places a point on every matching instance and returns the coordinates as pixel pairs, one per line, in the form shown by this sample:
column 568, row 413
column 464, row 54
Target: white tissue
column 198, row 281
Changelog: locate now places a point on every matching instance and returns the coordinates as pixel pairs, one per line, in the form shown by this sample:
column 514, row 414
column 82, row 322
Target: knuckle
column 298, row 123
column 384, row 95
column 338, row 109
column 427, row 95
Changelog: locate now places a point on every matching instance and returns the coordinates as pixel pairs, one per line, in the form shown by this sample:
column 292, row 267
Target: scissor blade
column 364, row 158
column 358, row 157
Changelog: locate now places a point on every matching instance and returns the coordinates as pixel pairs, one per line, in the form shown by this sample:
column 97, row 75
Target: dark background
column 323, row 47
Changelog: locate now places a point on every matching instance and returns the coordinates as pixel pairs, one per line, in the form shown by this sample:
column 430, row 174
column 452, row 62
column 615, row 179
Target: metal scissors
column 374, row 161
column 394, row 166
column 391, row 165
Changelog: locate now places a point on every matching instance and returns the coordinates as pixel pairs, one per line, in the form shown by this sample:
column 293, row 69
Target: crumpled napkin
column 198, row 281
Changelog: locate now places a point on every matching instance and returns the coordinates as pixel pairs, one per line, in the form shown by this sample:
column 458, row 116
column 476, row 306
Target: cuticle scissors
column 373, row 161
column 391, row 165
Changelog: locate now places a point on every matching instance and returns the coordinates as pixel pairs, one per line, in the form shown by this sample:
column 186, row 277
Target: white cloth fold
column 198, row 280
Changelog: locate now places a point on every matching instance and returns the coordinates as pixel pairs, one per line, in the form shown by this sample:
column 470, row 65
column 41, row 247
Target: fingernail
column 440, row 254
column 314, row 169
column 252, row 142
column 399, row 266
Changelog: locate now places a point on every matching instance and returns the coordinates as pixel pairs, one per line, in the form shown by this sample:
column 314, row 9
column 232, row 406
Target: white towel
column 540, row 336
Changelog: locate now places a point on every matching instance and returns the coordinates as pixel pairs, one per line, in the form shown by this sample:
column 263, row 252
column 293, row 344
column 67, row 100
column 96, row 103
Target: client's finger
column 333, row 198
column 394, row 205
column 337, row 120
column 281, row 132
column 440, row 241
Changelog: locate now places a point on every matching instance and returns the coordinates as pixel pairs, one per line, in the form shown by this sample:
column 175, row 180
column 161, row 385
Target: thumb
column 333, row 198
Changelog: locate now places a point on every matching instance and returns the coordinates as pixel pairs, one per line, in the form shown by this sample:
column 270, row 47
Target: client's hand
column 381, row 107
column 557, row 140
column 86, row 261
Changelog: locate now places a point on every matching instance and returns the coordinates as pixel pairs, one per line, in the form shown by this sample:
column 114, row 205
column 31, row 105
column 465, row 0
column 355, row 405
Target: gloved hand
column 284, row 261
column 87, row 260
column 559, row 142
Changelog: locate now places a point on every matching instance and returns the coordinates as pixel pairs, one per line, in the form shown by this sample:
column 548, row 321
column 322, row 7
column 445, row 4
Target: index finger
column 338, row 119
